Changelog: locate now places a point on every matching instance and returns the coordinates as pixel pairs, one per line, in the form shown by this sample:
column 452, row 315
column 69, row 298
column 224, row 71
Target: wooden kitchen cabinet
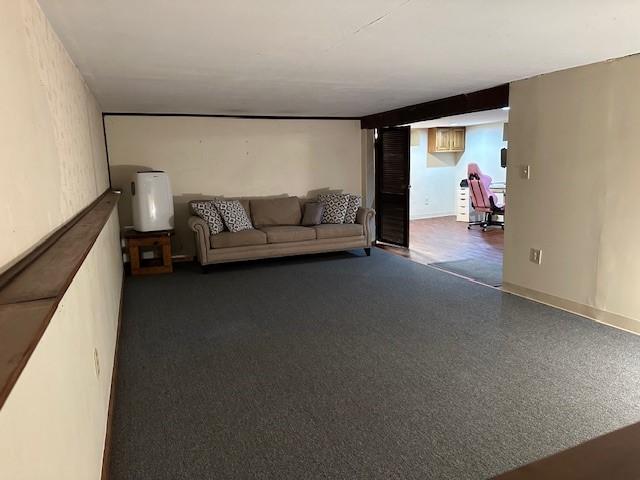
column 446, row 139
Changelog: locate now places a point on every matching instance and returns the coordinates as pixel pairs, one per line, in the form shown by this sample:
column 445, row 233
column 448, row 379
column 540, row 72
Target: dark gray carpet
column 482, row 270
column 353, row 367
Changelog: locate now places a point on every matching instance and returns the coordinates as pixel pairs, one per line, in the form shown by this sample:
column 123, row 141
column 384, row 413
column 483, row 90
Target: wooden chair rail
column 31, row 290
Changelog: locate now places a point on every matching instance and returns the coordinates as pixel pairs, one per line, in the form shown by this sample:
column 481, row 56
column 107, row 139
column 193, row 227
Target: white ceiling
column 327, row 57
column 476, row 118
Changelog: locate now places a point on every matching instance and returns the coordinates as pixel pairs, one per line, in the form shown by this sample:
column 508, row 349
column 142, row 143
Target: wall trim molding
column 106, row 452
column 207, row 115
column 611, row 319
column 31, row 290
column 106, row 149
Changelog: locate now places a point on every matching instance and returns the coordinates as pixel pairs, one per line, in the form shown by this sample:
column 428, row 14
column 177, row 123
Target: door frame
column 487, row 99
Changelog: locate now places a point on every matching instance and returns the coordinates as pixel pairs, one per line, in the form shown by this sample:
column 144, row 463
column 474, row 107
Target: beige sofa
column 278, row 233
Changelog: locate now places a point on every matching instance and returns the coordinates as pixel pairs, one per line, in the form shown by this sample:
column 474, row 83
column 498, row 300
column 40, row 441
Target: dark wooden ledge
column 31, row 290
column 613, row 456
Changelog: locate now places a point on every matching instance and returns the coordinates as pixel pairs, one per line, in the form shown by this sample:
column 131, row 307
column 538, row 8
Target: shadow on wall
column 121, row 178
column 182, row 243
column 439, row 160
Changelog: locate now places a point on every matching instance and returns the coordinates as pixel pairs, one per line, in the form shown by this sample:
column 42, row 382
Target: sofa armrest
column 202, row 237
column 364, row 216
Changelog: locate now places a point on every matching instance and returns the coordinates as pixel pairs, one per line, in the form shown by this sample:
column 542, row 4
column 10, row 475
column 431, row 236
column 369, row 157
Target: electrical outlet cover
column 535, row 256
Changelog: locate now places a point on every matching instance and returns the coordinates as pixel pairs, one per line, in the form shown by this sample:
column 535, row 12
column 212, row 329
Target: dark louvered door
column 392, row 185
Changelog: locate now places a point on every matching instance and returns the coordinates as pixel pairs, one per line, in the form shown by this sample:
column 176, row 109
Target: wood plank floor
column 443, row 239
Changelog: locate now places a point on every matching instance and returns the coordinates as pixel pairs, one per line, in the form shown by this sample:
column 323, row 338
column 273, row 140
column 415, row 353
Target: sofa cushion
column 207, row 211
column 335, row 207
column 276, row 211
column 238, row 239
column 327, row 230
column 355, row 202
column 282, row 233
column 234, row 215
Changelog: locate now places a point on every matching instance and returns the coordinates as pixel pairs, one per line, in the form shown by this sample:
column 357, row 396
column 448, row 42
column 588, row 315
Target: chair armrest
column 364, row 216
column 202, row 234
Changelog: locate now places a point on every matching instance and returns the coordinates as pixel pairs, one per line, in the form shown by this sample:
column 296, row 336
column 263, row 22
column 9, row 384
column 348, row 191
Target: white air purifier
column 152, row 202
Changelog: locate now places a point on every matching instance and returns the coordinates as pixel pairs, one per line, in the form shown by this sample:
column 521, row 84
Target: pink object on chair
column 482, row 198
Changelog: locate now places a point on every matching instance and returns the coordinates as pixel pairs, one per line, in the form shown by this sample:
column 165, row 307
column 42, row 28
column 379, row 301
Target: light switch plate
column 96, row 362
column 535, row 256
column 526, row 172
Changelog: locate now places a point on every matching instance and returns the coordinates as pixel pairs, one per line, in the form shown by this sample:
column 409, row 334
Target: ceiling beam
column 222, row 115
column 488, row 99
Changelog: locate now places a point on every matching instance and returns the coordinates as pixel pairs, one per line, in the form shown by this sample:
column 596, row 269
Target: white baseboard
column 432, row 215
column 612, row 319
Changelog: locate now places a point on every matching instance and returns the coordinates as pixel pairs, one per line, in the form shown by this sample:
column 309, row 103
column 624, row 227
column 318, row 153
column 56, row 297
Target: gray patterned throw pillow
column 355, row 202
column 207, row 211
column 335, row 207
column 312, row 214
column 234, row 215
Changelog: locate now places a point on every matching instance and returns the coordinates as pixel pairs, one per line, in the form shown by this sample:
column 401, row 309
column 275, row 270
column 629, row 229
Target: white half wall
column 233, row 157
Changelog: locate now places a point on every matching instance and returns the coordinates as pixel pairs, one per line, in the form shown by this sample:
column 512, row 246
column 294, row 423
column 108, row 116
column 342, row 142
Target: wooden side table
column 137, row 242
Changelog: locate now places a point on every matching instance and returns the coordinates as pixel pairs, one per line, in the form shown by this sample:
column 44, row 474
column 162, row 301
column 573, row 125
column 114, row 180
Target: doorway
column 445, row 230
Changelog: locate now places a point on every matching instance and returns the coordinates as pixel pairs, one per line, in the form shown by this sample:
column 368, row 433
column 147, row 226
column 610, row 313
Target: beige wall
column 579, row 131
column 53, row 424
column 233, row 157
column 53, row 164
column 51, row 141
